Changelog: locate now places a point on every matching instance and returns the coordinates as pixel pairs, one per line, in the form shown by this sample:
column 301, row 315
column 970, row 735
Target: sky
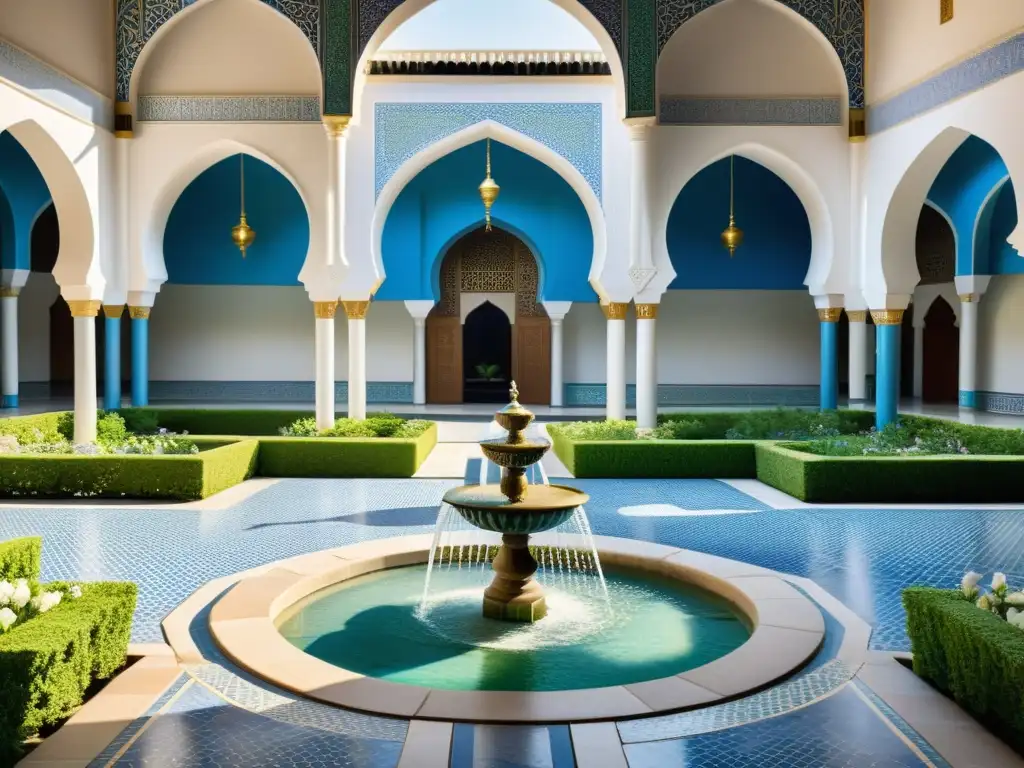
column 489, row 25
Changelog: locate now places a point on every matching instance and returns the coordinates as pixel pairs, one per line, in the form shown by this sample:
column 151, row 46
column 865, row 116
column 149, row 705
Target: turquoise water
column 646, row 628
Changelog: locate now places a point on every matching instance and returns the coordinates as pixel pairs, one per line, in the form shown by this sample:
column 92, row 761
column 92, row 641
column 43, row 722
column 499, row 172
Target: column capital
column 887, row 316
column 419, row 308
column 325, row 310
column 113, row 311
column 646, row 311
column 123, row 120
column 9, row 292
column 639, row 127
column 336, row 125
column 974, row 285
column 857, row 315
column 557, row 310
column 830, row 314
column 356, row 310
column 615, row 310
column 84, row 308
column 139, row 313
column 969, row 298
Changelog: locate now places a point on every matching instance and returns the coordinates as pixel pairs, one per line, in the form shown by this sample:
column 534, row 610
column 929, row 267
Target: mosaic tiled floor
column 863, row 557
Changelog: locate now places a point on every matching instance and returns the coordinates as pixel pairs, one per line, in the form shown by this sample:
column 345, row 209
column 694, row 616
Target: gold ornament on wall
column 242, row 234
column 945, row 11
column 489, row 190
column 732, row 237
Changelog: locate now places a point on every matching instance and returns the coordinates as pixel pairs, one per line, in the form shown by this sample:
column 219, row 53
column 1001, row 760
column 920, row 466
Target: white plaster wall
column 585, row 345
column 1001, row 336
column 39, row 293
column 389, row 342
column 167, row 157
column 227, row 48
column 814, row 161
column 747, row 48
column 907, row 43
column 73, row 36
column 360, row 198
column 738, row 337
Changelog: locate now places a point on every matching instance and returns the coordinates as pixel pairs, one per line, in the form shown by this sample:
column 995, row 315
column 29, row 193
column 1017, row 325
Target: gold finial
column 242, row 234
column 732, row 237
column 514, row 393
column 489, row 191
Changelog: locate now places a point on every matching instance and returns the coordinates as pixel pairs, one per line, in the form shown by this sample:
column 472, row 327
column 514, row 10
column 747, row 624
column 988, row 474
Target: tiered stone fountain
column 515, row 510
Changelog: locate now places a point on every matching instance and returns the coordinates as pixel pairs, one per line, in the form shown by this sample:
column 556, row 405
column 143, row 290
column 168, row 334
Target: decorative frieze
column 229, row 109
column 681, row 110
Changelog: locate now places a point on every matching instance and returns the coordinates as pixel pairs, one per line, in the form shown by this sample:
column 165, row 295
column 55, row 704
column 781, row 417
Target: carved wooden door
column 531, row 359
column 444, row 360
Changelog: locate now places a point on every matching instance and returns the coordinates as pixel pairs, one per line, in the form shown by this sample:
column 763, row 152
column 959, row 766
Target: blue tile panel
column 593, row 394
column 511, row 746
column 572, row 130
column 680, row 110
column 996, row 402
column 841, row 730
column 985, row 68
column 274, row 391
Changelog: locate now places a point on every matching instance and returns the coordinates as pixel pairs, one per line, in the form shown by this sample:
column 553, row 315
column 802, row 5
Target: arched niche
column 441, row 203
column 935, row 247
column 997, row 221
column 197, row 244
column 776, row 251
column 750, row 49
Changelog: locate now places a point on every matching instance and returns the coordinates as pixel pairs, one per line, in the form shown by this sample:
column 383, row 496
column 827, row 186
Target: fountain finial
column 513, row 393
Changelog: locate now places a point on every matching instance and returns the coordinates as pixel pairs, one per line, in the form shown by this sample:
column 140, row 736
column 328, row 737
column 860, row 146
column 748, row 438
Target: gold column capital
column 968, row 298
column 139, row 313
column 84, row 308
column 356, row 310
column 646, row 311
column 9, row 292
column 887, row 316
column 123, row 120
column 615, row 310
column 858, row 125
column 113, row 311
column 830, row 314
column 325, row 310
column 336, row 125
column 857, row 315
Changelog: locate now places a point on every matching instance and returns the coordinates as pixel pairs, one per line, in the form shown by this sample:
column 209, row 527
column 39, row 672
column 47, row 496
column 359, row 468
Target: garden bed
column 50, row 658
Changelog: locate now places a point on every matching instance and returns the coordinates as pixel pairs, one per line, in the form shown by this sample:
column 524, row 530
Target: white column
column 325, row 405
column 355, row 311
column 968, row 348
column 858, row 354
column 336, row 149
column 557, row 310
column 641, row 261
column 615, row 388
column 419, row 309
column 919, row 360
column 84, row 314
column 646, row 366
column 9, row 347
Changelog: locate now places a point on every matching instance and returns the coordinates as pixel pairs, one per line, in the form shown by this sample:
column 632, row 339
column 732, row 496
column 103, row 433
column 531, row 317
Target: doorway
column 486, row 355
column 941, row 355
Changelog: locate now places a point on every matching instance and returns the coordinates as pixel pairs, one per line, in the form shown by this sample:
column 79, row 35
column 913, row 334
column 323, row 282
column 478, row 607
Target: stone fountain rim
column 788, row 629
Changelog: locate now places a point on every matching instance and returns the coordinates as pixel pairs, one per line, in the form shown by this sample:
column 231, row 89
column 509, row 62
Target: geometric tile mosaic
column 234, row 109
column 572, row 130
column 275, row 391
column 576, row 394
column 680, row 110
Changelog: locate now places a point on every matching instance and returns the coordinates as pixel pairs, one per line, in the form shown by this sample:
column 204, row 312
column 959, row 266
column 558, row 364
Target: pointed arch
column 488, row 129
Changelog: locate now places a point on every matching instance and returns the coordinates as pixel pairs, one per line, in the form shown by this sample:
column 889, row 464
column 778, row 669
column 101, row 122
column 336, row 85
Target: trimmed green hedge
column 891, row 479
column 48, row 663
column 970, row 654
column 656, row 458
column 343, row 456
column 187, row 477
column 20, row 558
column 213, row 421
column 24, row 427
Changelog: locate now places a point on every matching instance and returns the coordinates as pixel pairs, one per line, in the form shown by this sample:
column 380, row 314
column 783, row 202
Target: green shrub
column 686, row 429
column 578, row 431
column 32, row 429
column 305, row 427
column 795, row 424
column 47, row 663
column 20, row 559
column 970, row 654
column 140, row 421
column 664, row 459
column 227, row 421
column 374, row 425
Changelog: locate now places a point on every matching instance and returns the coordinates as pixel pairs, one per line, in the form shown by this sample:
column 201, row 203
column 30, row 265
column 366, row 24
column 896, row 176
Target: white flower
column 1015, row 617
column 6, row 592
column 7, row 619
column 969, row 584
column 45, row 601
column 22, row 594
column 998, row 580
column 984, row 603
column 1016, row 599
column 76, row 591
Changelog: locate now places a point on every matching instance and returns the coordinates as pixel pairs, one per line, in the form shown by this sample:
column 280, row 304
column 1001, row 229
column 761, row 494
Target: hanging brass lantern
column 489, row 190
column 732, row 237
column 242, row 234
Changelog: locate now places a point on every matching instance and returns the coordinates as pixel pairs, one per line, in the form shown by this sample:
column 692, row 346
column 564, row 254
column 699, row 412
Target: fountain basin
column 514, row 455
column 787, row 629
column 486, row 507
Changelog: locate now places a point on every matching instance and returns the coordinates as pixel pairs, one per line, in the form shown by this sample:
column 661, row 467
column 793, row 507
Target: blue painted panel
column 961, row 189
column 197, row 243
column 443, row 203
column 23, row 194
column 776, row 251
column 1002, row 258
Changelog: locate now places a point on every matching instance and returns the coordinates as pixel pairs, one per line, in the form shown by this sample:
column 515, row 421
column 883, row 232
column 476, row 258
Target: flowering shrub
column 24, row 600
column 917, row 439
column 375, row 425
column 1000, row 600
column 112, row 437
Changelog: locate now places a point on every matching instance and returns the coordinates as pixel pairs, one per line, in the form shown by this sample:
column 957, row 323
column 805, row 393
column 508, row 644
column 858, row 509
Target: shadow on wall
column 443, row 202
column 198, row 249
column 776, row 249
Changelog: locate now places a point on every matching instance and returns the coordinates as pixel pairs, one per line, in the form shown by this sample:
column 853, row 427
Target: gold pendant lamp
column 489, row 190
column 732, row 237
column 242, row 234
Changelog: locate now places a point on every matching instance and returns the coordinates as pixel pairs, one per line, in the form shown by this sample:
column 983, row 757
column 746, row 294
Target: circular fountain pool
column 645, row 627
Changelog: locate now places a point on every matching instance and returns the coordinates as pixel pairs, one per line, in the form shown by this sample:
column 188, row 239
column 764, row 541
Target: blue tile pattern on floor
column 890, row 714
column 511, row 746
column 129, row 733
column 200, row 729
column 841, row 730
